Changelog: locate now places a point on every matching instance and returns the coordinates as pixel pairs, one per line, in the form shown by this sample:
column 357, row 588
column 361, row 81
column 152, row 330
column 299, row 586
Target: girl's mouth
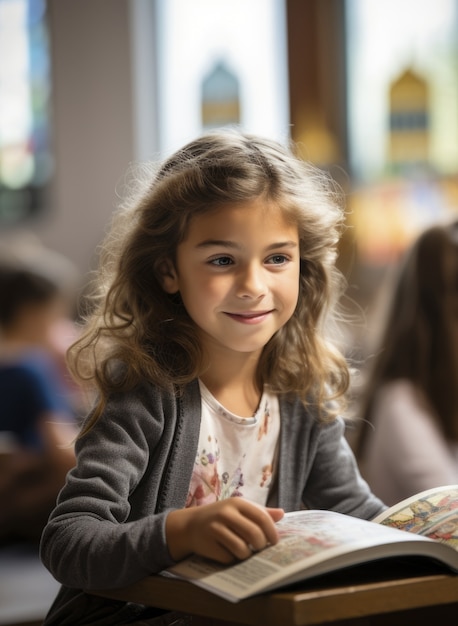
column 250, row 317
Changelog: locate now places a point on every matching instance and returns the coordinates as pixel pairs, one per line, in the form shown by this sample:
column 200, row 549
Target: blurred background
column 369, row 89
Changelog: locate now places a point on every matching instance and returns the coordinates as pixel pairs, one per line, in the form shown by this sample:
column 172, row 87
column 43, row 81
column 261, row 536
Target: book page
column 432, row 513
column 311, row 543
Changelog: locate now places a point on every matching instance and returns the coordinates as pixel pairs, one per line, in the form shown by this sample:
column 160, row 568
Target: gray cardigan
column 135, row 465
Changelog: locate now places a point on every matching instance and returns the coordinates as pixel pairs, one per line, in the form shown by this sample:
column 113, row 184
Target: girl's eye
column 222, row 261
column 278, row 259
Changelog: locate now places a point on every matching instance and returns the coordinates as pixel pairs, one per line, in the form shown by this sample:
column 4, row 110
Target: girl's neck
column 234, row 386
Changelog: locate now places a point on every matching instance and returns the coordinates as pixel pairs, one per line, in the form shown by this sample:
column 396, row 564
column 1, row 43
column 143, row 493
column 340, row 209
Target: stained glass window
column 25, row 152
column 221, row 62
column 403, row 122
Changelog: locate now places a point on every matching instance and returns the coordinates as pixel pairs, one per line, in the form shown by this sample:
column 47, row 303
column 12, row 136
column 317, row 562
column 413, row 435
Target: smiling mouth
column 249, row 318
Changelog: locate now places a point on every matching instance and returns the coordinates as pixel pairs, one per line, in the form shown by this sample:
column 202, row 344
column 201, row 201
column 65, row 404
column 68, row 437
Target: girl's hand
column 224, row 531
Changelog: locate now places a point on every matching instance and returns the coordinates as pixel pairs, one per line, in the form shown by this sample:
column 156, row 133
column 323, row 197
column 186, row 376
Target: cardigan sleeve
column 334, row 481
column 105, row 530
column 317, row 468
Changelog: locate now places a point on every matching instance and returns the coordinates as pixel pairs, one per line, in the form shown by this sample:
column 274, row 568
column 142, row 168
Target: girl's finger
column 230, row 540
column 255, row 529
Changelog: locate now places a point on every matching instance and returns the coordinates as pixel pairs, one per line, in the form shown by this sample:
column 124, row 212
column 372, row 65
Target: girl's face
column 237, row 272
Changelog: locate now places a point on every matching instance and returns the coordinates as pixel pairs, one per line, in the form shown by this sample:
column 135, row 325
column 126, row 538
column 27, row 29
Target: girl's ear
column 168, row 276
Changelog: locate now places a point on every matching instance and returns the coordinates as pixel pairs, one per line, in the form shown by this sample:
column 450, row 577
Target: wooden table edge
column 296, row 608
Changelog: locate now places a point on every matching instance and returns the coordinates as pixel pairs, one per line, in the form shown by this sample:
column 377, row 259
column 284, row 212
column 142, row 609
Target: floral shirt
column 236, row 456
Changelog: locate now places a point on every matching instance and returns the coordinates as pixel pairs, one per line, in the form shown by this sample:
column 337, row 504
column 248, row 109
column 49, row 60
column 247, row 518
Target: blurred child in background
column 37, row 422
column 409, row 437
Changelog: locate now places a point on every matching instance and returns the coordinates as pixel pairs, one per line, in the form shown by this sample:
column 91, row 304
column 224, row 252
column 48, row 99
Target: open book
column 313, row 543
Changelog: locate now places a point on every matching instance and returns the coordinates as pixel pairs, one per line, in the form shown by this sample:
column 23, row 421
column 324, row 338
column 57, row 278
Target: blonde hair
column 135, row 323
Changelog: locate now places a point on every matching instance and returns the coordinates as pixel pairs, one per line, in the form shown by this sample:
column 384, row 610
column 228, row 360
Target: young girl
column 408, row 440
column 218, row 386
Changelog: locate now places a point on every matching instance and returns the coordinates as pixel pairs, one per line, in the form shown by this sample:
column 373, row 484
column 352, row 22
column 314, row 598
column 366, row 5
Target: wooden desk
column 421, row 600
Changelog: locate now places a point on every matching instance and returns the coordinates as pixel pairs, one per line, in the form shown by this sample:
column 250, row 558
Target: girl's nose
column 251, row 283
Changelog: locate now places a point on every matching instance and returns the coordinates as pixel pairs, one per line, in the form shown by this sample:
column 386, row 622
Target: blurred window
column 25, row 155
column 386, row 40
column 221, row 62
column 402, row 121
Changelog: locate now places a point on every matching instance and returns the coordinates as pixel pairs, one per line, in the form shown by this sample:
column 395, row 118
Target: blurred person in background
column 37, row 415
column 408, row 440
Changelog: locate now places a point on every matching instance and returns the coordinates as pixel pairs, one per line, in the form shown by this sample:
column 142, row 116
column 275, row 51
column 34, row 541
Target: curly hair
column 135, row 323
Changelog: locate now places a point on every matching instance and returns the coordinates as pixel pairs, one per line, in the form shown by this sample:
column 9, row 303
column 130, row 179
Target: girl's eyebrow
column 208, row 243
column 224, row 243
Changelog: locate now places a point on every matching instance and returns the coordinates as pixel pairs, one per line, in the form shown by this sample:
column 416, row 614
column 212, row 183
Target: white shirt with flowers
column 236, row 456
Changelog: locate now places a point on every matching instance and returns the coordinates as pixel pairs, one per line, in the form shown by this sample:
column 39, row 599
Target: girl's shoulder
column 148, row 402
column 306, row 415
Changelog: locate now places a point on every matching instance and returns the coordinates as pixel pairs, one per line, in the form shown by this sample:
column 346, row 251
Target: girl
column 218, row 385
column 409, row 438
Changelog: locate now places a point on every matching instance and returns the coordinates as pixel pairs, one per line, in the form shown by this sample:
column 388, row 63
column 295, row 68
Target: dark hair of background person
column 20, row 287
column 419, row 341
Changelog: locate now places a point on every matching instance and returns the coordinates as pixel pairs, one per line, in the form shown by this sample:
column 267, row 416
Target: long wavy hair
column 137, row 332
column 419, row 338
